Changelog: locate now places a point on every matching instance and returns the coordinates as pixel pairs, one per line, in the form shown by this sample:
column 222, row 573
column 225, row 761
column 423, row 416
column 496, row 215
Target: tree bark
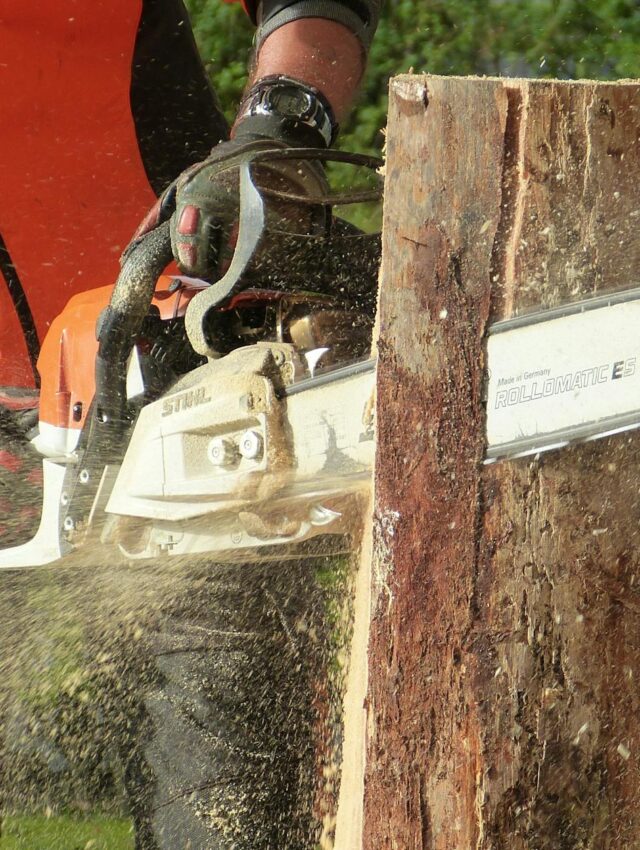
column 505, row 637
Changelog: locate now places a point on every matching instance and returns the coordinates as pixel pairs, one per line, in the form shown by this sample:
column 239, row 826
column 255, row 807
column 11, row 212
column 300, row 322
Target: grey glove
column 277, row 114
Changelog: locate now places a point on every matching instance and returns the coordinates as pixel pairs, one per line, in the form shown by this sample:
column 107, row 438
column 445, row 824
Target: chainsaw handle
column 121, row 321
column 103, row 436
column 147, row 258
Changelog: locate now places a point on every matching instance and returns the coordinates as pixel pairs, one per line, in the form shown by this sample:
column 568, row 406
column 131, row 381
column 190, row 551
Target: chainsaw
column 234, row 420
column 219, row 418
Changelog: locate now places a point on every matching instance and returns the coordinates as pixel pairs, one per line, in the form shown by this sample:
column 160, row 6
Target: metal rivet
column 251, row 445
column 222, row 451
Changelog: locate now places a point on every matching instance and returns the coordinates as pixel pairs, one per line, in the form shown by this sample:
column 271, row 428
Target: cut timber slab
column 504, row 658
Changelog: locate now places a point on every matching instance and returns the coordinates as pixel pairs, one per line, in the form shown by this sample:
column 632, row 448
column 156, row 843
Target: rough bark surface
column 505, row 637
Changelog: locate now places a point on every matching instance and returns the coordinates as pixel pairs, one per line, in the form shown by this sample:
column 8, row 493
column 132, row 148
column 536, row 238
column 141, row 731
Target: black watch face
column 290, row 101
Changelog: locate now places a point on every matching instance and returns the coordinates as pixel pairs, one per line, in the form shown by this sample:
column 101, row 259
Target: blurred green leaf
column 568, row 39
column 539, row 38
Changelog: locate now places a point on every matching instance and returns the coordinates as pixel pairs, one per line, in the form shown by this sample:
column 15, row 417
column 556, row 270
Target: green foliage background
column 534, row 38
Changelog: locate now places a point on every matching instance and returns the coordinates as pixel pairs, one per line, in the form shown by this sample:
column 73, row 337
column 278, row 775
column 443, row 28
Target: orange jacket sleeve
column 80, row 161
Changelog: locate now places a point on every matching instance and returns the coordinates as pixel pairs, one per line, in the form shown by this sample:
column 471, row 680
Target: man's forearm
column 319, row 52
column 323, row 43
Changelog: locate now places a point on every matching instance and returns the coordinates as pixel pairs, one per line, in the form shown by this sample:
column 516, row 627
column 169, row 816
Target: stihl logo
column 543, row 387
column 192, row 398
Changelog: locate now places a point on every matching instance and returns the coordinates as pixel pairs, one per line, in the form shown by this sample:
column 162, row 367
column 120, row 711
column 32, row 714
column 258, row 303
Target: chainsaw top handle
column 146, row 259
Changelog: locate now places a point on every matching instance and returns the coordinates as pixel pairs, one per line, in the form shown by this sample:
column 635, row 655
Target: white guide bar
column 562, row 375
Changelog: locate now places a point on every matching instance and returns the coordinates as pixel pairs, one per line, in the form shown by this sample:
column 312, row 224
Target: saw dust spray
column 183, row 703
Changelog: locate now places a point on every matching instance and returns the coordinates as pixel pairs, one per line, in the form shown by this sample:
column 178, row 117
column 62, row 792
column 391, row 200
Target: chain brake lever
column 251, row 227
column 250, row 230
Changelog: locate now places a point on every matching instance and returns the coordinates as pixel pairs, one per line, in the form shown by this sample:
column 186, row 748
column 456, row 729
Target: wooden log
column 504, row 658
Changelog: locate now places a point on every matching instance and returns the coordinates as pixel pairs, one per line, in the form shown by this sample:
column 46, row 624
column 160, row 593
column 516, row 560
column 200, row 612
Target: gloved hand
column 278, row 113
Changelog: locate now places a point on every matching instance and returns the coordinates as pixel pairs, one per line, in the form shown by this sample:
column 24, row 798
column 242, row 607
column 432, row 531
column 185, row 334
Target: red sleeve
column 72, row 180
column 74, row 164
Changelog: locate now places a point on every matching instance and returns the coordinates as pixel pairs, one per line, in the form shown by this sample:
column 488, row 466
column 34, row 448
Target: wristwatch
column 296, row 111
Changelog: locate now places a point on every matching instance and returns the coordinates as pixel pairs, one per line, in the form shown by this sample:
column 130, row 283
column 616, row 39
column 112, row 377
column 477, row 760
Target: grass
column 66, row 832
